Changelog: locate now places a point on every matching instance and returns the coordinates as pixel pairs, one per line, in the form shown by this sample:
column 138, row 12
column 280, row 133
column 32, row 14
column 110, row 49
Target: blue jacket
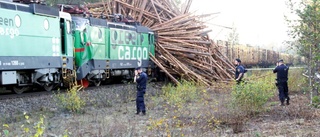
column 282, row 73
column 239, row 69
column 142, row 81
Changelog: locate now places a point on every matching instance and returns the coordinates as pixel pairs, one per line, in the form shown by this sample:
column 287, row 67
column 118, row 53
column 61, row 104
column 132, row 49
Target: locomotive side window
column 141, row 39
column 62, row 33
column 150, row 39
column 68, row 27
column 79, row 23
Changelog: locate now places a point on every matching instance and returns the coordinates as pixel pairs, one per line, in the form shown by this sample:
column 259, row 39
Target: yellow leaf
column 40, row 131
column 26, row 116
column 26, row 130
column 6, row 125
column 41, row 120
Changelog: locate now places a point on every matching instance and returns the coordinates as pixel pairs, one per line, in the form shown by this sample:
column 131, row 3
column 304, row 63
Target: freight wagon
column 255, row 56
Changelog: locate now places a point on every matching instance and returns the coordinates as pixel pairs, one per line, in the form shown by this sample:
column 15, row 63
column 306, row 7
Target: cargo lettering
column 9, row 27
column 12, row 32
column 134, row 53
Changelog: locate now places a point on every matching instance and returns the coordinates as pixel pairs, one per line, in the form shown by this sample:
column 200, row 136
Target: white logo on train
column 55, row 47
column 17, row 21
column 134, row 53
column 129, row 45
column 7, row 26
column 46, row 24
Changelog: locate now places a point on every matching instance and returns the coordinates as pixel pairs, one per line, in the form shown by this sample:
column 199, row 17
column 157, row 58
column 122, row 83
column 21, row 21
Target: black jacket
column 142, row 81
column 282, row 73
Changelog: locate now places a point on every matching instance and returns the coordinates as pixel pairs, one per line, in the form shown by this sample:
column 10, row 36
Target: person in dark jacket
column 282, row 81
column 239, row 71
column 141, row 78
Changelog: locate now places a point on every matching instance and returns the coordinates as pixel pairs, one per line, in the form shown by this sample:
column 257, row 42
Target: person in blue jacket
column 240, row 70
column 141, row 78
column 282, row 81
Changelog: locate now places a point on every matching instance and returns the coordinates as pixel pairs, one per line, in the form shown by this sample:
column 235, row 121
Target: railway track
column 7, row 94
column 36, row 93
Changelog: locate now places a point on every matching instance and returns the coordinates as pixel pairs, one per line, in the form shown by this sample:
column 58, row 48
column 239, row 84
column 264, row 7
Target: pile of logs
column 183, row 48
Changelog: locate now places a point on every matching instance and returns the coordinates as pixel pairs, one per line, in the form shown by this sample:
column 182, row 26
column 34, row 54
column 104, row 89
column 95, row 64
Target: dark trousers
column 283, row 91
column 140, row 101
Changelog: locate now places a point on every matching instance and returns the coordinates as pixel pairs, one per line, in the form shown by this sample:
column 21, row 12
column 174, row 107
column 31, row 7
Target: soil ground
column 110, row 111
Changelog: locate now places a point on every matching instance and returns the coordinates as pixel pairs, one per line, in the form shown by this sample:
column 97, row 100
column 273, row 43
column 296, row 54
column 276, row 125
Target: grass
column 186, row 110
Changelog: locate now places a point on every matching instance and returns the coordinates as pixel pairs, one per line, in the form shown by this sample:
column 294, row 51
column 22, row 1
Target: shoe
column 143, row 112
column 281, row 104
column 137, row 113
column 288, row 102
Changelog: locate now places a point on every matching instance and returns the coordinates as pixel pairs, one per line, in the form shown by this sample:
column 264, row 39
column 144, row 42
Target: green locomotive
column 41, row 46
column 36, row 46
column 107, row 49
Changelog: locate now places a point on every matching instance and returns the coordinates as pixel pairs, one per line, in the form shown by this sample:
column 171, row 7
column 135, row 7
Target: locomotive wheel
column 48, row 86
column 97, row 83
column 84, row 83
column 20, row 90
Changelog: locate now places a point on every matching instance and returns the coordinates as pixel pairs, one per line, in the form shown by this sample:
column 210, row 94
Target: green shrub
column 250, row 97
column 185, row 92
column 184, row 105
column 316, row 101
column 297, row 82
column 71, row 100
column 30, row 127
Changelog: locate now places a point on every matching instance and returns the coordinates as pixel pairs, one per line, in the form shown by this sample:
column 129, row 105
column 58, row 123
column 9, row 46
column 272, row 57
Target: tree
column 233, row 38
column 306, row 32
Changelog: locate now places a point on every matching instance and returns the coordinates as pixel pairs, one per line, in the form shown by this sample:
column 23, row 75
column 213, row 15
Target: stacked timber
column 183, row 48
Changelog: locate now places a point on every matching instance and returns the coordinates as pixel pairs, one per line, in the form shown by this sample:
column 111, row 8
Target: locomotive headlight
column 17, row 21
column 46, row 24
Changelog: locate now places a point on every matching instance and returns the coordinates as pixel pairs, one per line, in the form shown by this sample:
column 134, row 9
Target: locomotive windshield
column 79, row 23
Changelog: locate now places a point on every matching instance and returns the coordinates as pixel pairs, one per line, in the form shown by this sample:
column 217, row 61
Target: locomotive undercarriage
column 47, row 78
column 22, row 81
column 23, row 84
column 97, row 76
